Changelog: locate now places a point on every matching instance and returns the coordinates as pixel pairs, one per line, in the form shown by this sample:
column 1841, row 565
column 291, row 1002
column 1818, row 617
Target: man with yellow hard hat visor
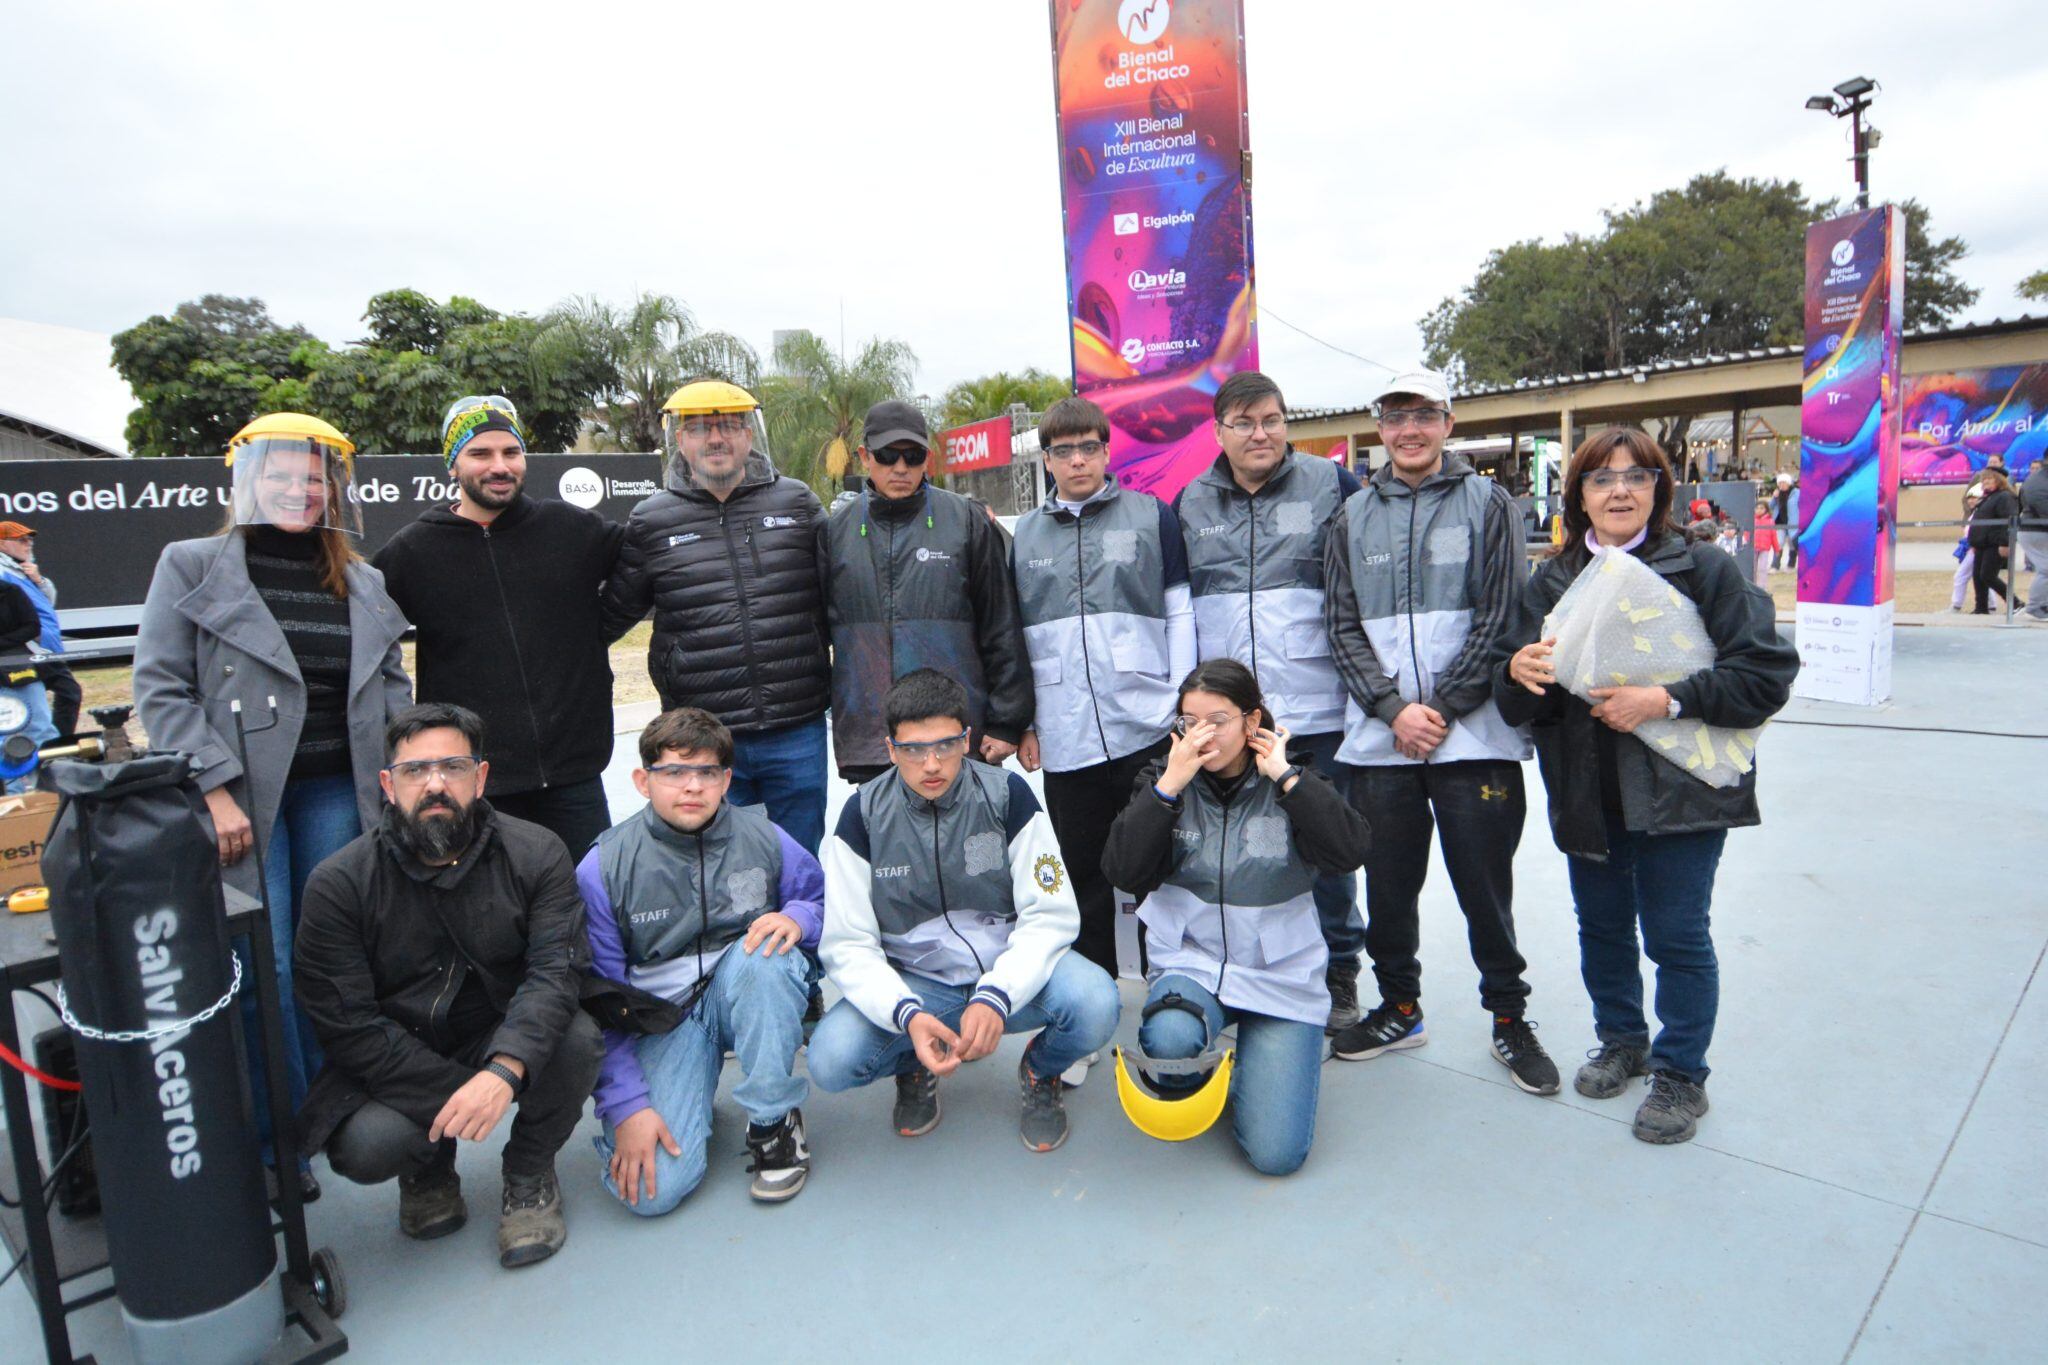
column 293, row 471
column 1224, row 838
column 713, row 436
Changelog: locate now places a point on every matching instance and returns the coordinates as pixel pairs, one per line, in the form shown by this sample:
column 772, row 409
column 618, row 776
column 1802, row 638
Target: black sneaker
column 917, row 1101
column 1342, row 979
column 781, row 1158
column 1044, row 1124
column 430, row 1202
column 1515, row 1047
column 530, row 1226
column 1389, row 1028
column 1672, row 1110
column 1609, row 1068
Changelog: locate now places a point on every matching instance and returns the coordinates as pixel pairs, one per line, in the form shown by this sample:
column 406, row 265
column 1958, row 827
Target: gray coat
column 207, row 640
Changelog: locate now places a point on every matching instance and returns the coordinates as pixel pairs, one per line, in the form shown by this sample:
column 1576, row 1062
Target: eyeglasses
column 918, row 750
column 1183, row 724
column 914, row 456
column 707, row 426
column 685, row 774
column 1636, row 477
column 279, row 481
column 1392, row 419
column 1085, row 450
column 416, row 772
column 1245, row 426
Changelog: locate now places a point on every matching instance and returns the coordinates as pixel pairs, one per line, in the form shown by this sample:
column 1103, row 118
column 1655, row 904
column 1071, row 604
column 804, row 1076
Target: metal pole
column 1862, row 157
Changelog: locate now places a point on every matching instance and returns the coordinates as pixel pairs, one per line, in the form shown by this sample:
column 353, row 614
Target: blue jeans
column 784, row 770
column 1078, row 1010
column 40, row 728
column 1665, row 881
column 1274, row 1081
column 315, row 817
column 753, row 1006
column 1336, row 897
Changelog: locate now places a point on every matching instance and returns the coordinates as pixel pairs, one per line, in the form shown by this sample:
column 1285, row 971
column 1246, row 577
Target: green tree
column 201, row 373
column 991, row 395
column 636, row 357
column 2035, row 286
column 1715, row 266
column 815, row 400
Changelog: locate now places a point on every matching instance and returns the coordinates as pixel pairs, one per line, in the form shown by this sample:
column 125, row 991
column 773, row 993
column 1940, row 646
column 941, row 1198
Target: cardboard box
column 24, row 823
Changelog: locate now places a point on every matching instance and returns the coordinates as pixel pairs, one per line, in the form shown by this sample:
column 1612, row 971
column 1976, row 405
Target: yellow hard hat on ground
column 1174, row 1120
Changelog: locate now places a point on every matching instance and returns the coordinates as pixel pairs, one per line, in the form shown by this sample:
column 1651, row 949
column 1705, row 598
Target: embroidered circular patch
column 1048, row 872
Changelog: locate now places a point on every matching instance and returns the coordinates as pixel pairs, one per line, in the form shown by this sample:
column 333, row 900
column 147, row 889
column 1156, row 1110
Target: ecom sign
column 979, row 445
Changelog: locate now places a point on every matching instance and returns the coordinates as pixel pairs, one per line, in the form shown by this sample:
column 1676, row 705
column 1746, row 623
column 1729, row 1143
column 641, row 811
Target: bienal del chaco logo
column 1844, row 252
column 581, row 487
column 1143, row 21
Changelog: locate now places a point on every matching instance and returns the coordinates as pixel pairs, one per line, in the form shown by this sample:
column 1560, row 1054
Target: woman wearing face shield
column 276, row 606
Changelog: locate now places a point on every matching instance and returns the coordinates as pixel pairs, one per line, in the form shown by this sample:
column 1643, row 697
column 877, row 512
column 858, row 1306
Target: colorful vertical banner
column 1956, row 422
column 1849, row 455
column 1154, row 161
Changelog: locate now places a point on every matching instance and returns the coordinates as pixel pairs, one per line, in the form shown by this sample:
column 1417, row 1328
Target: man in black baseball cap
column 918, row 577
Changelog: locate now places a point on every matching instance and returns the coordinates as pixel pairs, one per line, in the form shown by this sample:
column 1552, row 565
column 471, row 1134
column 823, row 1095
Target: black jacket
column 739, row 624
column 509, row 627
column 1137, row 856
column 18, row 620
column 1751, row 680
column 387, row 946
column 1991, row 523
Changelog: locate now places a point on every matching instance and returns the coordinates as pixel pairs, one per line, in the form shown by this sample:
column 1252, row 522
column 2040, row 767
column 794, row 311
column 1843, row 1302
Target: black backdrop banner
column 100, row 524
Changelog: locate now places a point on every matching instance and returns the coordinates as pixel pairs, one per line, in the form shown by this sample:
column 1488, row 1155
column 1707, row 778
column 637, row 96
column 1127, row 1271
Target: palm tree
column 815, row 400
column 645, row 352
column 991, row 395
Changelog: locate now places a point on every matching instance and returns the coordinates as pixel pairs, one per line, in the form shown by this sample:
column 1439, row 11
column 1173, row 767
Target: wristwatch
column 1293, row 772
column 505, row 1074
column 1671, row 707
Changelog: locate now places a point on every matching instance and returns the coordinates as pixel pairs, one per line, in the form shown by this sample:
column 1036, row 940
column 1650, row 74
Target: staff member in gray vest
column 1102, row 580
column 948, row 915
column 1254, row 525
column 1224, row 838
column 917, row 577
column 699, row 901
column 1425, row 567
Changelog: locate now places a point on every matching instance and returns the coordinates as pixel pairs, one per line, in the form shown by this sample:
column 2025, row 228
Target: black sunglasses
column 913, row 457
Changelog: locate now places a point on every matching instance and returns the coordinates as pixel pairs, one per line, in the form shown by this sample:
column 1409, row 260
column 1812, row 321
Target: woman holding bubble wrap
column 1641, row 830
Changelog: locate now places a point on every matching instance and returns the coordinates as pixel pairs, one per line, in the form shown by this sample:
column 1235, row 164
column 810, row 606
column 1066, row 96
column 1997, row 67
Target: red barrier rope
column 26, row 1069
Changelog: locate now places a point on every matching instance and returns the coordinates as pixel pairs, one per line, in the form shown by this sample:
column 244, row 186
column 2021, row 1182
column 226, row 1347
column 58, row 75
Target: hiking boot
column 1672, row 1109
column 530, row 1227
column 781, row 1158
column 1515, row 1047
column 1075, row 1076
column 1044, row 1124
column 1609, row 1068
column 430, row 1201
column 1389, row 1028
column 917, row 1101
column 1342, row 978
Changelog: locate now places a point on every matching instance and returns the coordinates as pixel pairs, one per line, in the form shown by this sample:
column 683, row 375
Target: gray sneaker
column 1044, row 1124
column 1672, row 1110
column 1609, row 1068
column 530, row 1227
column 781, row 1158
column 917, row 1101
column 1342, row 978
column 430, row 1202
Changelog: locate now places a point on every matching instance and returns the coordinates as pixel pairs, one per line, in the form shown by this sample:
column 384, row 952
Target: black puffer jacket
column 1991, row 523
column 1750, row 681
column 739, row 625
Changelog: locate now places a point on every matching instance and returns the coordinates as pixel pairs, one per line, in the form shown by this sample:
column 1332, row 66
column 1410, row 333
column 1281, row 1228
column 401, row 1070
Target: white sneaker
column 1074, row 1075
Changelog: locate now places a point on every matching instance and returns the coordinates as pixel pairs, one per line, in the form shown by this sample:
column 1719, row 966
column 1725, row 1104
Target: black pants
column 1478, row 807
column 1336, row 895
column 1987, row 575
column 65, row 696
column 576, row 811
column 1082, row 804
column 378, row 1143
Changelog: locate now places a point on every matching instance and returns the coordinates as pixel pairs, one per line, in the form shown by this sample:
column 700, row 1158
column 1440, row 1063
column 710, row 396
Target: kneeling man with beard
column 436, row 960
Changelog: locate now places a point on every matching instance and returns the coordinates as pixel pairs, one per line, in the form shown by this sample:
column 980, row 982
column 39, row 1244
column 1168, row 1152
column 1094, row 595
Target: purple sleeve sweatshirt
column 622, row 1089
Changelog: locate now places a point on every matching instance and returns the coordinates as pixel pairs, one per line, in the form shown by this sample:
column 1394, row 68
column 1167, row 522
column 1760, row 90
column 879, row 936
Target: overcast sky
column 773, row 163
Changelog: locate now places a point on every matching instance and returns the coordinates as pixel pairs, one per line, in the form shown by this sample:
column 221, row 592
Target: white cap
column 1422, row 383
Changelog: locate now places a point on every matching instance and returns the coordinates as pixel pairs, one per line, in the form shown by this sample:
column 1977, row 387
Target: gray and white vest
column 1236, row 914
column 1092, row 589
column 941, row 872
column 682, row 899
column 899, row 602
column 1255, row 565
column 1416, row 569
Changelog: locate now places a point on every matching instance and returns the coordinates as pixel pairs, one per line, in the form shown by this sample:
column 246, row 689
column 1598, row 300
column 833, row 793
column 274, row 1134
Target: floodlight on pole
column 1855, row 94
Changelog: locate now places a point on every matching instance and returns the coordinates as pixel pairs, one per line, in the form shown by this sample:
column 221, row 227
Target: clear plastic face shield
column 716, row 450
column 295, row 483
